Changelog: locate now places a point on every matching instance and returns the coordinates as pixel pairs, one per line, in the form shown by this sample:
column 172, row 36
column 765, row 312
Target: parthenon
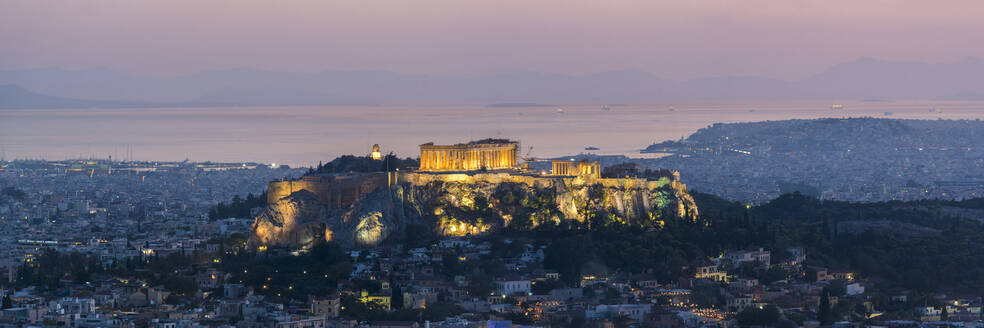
column 487, row 154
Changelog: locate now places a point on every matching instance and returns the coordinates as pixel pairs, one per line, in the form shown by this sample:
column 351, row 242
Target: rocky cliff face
column 459, row 205
column 293, row 220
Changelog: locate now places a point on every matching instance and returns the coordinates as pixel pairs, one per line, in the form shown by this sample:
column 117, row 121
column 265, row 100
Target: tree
column 837, row 288
column 441, row 310
column 452, row 265
column 620, row 170
column 397, row 297
column 238, row 207
column 824, row 314
column 785, row 323
column 826, row 228
column 519, row 318
column 753, row 316
column 479, row 285
column 14, row 193
column 7, row 303
column 544, row 287
column 567, row 256
column 417, row 235
column 353, row 308
column 182, row 286
column 772, row 275
column 172, row 299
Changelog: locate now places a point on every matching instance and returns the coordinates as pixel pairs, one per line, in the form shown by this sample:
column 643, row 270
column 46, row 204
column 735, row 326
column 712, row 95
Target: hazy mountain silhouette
column 872, row 78
column 278, row 96
column 864, row 78
column 15, row 96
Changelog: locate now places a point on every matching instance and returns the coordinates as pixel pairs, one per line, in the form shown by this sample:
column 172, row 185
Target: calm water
column 306, row 135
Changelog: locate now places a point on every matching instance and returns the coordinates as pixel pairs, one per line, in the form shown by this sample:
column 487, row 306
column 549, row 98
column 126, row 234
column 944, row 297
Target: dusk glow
column 492, row 164
column 674, row 39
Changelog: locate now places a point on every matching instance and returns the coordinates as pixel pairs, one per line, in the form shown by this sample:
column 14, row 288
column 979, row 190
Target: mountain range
column 864, row 78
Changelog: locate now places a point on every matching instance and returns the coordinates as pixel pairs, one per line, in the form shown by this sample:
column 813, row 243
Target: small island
column 514, row 105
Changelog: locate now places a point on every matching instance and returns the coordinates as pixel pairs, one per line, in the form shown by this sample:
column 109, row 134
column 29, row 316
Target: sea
column 305, row 136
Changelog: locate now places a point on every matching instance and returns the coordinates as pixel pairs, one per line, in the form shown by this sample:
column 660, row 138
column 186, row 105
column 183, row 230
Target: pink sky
column 676, row 39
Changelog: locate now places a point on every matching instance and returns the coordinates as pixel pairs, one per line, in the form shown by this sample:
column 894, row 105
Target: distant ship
column 672, row 109
column 591, row 148
column 836, row 107
column 605, row 107
column 560, row 110
column 888, row 113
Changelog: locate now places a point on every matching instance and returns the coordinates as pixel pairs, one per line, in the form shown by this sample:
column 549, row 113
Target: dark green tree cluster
column 632, row 170
column 895, row 241
column 920, row 239
column 14, row 192
column 825, row 314
column 580, row 249
column 174, row 271
column 754, row 316
column 353, row 308
column 50, row 267
column 316, row 272
column 283, row 277
column 238, row 208
column 350, row 163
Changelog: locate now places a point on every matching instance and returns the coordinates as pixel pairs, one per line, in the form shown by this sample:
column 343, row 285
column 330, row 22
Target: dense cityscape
column 860, row 159
column 98, row 243
column 492, row 164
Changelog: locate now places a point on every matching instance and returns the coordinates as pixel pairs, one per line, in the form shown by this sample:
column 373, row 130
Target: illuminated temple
column 365, row 208
column 486, row 154
column 583, row 168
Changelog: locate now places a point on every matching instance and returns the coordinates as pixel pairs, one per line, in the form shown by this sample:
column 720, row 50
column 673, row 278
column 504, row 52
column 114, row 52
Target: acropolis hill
column 459, row 190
